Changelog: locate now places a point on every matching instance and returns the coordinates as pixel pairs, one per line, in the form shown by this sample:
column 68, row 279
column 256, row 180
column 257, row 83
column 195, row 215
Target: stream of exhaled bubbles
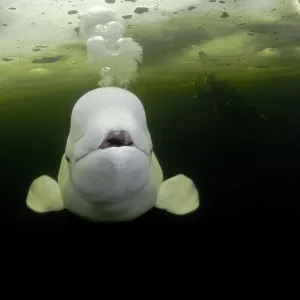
column 116, row 57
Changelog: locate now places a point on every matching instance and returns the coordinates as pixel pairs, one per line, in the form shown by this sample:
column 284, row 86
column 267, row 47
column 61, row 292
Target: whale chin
column 112, row 174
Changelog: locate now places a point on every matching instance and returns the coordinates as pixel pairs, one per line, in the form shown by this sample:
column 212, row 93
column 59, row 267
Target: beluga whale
column 109, row 171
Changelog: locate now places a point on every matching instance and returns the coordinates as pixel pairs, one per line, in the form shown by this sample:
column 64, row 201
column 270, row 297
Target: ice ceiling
column 25, row 24
column 179, row 29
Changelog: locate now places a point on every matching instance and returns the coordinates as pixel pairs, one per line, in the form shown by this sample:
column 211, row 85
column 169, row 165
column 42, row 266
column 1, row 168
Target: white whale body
column 109, row 171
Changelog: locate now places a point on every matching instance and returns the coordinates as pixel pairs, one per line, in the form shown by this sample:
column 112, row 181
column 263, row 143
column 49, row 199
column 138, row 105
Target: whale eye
column 67, row 159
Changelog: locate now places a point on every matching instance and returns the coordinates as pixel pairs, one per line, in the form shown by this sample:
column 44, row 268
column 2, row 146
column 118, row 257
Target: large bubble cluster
column 117, row 57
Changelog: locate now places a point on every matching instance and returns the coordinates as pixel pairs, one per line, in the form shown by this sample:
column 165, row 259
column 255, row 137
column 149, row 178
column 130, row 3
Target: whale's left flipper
column 178, row 195
column 44, row 195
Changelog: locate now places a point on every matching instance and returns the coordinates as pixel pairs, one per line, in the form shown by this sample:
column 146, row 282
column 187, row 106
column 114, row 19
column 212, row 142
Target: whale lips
column 117, row 139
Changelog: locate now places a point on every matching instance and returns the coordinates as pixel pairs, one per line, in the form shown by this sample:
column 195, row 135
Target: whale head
column 109, row 146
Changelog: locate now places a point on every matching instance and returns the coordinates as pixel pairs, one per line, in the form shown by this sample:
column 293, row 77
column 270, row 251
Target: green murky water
column 243, row 160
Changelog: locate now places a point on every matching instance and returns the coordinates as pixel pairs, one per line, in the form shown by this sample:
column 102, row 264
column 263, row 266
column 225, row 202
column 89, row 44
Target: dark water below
column 246, row 168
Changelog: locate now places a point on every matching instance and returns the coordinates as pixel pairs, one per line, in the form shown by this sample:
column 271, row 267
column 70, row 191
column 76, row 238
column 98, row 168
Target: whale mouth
column 117, row 139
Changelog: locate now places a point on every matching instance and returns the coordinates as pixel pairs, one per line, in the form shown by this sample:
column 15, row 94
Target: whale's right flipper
column 44, row 195
column 178, row 195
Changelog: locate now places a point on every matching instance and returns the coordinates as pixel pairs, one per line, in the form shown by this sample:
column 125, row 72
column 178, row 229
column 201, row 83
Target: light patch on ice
column 296, row 4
